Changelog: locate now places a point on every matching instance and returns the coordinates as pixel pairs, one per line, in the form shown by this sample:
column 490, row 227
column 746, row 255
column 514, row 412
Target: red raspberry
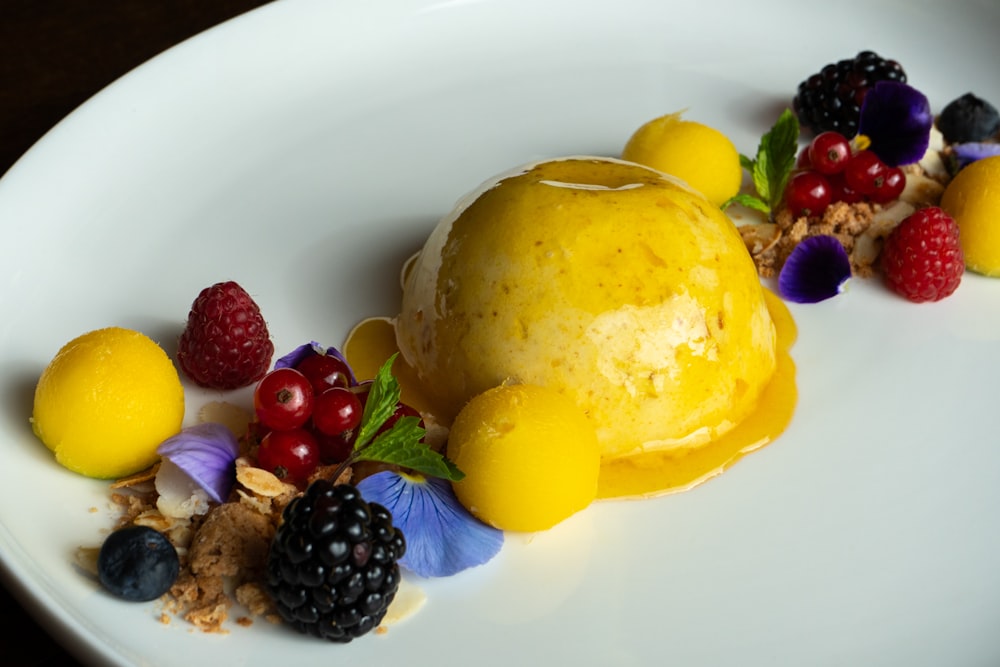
column 226, row 344
column 921, row 259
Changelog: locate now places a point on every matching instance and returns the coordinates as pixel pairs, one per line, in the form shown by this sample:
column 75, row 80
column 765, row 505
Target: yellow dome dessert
column 609, row 282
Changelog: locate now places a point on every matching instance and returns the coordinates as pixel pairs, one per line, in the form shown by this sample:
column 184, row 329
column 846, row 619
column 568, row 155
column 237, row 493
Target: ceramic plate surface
column 307, row 148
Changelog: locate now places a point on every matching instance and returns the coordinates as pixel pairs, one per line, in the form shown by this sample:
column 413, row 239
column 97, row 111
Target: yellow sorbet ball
column 603, row 280
column 529, row 455
column 106, row 402
column 699, row 155
column 973, row 200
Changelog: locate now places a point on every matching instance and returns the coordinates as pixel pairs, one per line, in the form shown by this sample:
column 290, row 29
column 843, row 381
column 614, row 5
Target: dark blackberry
column 332, row 567
column 968, row 118
column 831, row 98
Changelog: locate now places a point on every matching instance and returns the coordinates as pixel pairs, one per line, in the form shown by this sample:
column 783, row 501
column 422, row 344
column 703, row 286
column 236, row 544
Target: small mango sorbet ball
column 106, row 402
column 529, row 455
column 699, row 155
column 605, row 281
column 973, row 200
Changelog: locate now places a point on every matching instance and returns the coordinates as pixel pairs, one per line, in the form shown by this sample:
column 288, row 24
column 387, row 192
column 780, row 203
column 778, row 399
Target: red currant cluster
column 308, row 415
column 830, row 170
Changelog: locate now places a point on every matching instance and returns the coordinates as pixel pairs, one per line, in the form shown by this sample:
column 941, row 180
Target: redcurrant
column 336, row 410
column 865, row 173
column 335, row 448
column 324, row 371
column 892, row 186
column 839, row 190
column 802, row 161
column 283, row 399
column 292, row 454
column 807, row 193
column 829, row 152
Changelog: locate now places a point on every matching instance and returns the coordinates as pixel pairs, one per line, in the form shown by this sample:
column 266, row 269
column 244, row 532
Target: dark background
column 55, row 54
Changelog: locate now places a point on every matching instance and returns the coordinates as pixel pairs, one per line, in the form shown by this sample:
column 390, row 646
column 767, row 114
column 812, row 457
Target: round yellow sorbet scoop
column 606, row 281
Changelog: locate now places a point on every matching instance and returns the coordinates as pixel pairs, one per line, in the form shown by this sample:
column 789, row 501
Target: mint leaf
column 381, row 403
column 781, row 146
column 401, row 446
column 750, row 201
column 772, row 166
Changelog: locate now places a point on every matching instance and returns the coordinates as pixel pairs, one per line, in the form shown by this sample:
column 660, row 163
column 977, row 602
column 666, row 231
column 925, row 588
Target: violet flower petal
column 442, row 537
column 968, row 153
column 206, row 453
column 293, row 358
column 817, row 269
column 897, row 119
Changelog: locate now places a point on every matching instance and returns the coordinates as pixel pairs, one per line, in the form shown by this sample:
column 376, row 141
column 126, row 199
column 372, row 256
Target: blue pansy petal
column 897, row 119
column 442, row 537
column 206, row 453
column 293, row 358
column 817, row 269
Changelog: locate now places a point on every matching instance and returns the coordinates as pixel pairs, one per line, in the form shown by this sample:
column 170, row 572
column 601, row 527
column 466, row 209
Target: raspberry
column 830, row 100
column 921, row 259
column 226, row 344
column 332, row 567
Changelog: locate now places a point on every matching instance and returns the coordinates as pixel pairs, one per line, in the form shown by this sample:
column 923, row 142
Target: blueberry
column 137, row 563
column 968, row 118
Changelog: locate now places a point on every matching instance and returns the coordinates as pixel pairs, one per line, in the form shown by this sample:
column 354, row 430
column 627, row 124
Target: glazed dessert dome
column 609, row 282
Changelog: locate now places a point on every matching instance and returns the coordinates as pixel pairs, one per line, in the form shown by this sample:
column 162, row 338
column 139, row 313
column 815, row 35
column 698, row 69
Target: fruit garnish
column 292, row 455
column 968, row 119
column 699, row 155
column 922, row 259
column 817, row 269
column 137, row 563
column 205, row 454
column 831, row 99
column 283, row 399
column 897, row 120
column 333, row 565
column 442, row 537
column 225, row 344
column 772, row 166
column 530, row 455
column 972, row 199
column 323, row 371
column 106, row 401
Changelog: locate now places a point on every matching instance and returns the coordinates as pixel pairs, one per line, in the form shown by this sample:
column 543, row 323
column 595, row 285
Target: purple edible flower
column 292, row 359
column 817, row 269
column 968, row 153
column 206, row 453
column 442, row 537
column 897, row 120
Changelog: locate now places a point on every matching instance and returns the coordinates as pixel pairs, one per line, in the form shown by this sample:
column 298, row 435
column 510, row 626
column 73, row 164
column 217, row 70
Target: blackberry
column 968, row 118
column 831, row 98
column 332, row 567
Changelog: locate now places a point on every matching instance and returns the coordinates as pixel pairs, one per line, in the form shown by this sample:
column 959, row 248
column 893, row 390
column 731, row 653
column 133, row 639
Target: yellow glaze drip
column 641, row 475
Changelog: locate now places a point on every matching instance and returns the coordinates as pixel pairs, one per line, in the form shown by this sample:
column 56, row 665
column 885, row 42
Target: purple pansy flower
column 817, row 269
column 206, row 453
column 897, row 120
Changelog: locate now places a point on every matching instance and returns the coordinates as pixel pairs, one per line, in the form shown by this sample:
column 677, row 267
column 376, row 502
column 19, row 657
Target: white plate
column 306, row 148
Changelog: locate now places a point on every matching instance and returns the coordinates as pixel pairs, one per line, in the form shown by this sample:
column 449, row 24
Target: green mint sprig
column 772, row 166
column 402, row 444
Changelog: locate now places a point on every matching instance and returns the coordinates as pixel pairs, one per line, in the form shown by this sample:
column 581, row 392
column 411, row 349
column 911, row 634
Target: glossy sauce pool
column 642, row 475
